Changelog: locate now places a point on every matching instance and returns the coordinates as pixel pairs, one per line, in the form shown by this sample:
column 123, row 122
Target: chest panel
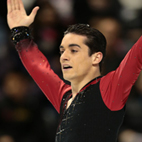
column 87, row 118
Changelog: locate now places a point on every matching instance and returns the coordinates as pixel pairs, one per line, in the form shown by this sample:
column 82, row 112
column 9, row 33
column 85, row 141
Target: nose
column 64, row 56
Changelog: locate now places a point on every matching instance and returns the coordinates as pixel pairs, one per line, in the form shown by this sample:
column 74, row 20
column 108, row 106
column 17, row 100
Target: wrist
column 20, row 33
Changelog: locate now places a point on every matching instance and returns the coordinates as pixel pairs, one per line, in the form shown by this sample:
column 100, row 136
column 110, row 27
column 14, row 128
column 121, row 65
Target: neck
column 77, row 85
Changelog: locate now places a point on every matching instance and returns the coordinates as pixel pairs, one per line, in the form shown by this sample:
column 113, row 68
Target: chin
column 67, row 78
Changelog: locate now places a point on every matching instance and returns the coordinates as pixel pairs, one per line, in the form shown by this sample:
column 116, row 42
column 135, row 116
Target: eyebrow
column 70, row 45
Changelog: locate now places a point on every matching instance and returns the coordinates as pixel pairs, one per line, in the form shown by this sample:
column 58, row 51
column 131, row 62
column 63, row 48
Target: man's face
column 75, row 60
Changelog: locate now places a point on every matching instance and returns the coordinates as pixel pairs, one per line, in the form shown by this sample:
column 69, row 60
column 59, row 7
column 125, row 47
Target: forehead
column 72, row 38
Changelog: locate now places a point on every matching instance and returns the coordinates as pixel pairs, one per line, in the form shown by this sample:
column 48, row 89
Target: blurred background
column 25, row 113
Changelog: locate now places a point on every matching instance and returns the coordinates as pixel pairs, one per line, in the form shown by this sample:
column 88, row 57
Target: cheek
column 83, row 65
column 82, row 62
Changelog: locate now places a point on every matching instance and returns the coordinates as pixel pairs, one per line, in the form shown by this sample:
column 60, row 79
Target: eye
column 73, row 51
column 61, row 52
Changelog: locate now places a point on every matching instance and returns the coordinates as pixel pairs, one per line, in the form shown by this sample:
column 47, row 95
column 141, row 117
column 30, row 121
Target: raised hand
column 17, row 16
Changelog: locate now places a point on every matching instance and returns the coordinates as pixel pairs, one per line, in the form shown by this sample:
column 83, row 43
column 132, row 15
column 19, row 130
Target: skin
column 84, row 68
column 16, row 14
column 74, row 52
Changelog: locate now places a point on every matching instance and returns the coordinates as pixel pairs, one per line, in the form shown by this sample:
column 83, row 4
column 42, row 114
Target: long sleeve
column 38, row 67
column 115, row 87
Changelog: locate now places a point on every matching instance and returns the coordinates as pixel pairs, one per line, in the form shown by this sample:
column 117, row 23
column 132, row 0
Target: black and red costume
column 97, row 111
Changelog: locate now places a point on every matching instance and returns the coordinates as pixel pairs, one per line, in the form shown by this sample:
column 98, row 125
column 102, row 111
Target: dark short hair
column 96, row 41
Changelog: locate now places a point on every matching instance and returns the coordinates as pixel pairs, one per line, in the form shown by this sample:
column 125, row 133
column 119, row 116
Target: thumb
column 33, row 13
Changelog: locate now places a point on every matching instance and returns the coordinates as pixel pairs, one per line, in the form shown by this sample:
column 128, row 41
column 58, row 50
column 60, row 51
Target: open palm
column 17, row 16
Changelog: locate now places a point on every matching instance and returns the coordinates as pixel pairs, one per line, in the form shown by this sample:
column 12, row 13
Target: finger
column 33, row 13
column 16, row 4
column 9, row 6
column 21, row 5
column 12, row 5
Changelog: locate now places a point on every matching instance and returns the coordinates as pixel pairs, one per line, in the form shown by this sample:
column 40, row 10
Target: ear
column 97, row 58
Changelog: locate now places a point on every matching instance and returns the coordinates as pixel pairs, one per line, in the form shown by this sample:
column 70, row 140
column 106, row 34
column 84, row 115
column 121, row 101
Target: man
column 93, row 107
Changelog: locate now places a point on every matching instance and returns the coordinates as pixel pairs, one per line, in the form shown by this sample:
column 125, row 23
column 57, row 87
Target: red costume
column 114, row 89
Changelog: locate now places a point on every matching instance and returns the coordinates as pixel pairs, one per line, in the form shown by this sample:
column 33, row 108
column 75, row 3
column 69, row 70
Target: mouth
column 66, row 67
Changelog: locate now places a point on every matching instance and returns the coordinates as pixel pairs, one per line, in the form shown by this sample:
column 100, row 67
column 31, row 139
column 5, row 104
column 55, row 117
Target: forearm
column 39, row 68
column 117, row 85
column 33, row 60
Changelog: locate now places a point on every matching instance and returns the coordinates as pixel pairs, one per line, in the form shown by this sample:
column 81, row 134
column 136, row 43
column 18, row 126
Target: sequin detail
column 20, row 33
